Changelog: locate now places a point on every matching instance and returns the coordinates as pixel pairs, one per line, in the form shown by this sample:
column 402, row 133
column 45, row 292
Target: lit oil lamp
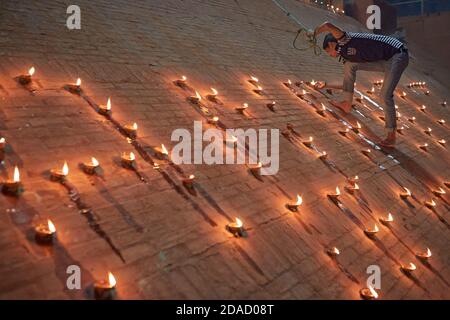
column 400, row 130
column 398, row 115
column 26, row 78
column 323, row 155
column 2, row 143
column 428, row 131
column 236, row 228
column 357, row 128
column 213, row 95
column 131, row 130
column 242, row 109
column 213, row 120
column 442, row 142
column 387, row 220
column 182, row 81
column 406, row 194
column 45, row 233
column 288, row 83
column 91, row 167
column 423, row 108
column 439, row 192
column 366, row 152
column 344, row 132
column 371, row 232
column 258, row 90
column 335, row 196
column 195, row 99
column 128, row 159
column 189, row 182
column 371, row 91
column 74, row 87
column 409, row 268
column 333, row 252
column 353, row 189
column 303, row 94
column 105, row 110
column 353, row 180
column 313, row 83
column 58, row 175
column 412, row 119
column 253, row 80
column 403, row 95
column 13, row 187
column 441, row 122
column 430, row 204
column 322, row 110
column 424, row 146
column 271, row 106
column 294, row 206
column 161, row 152
column 368, row 293
column 427, row 93
column 105, row 289
column 444, row 103
column 308, row 142
column 424, row 256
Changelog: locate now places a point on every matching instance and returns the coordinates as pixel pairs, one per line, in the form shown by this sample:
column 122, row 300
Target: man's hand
column 320, row 85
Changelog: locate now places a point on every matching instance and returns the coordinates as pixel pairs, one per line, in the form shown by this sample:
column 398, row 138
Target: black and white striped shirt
column 367, row 47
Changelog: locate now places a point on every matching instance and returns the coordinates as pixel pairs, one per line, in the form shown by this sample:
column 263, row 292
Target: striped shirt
column 367, row 47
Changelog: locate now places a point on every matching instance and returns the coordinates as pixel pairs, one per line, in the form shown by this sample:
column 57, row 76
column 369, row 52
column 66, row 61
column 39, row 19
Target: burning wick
column 189, row 182
column 131, row 130
column 242, row 109
column 368, row 293
column 409, row 268
column 75, row 88
column 303, row 94
column 59, row 175
column 288, row 83
column 322, row 110
column 105, row 289
column 258, row 90
column 430, row 204
column 428, row 131
column 424, row 147
column 195, row 99
column 294, row 206
column 271, row 106
column 353, row 189
column 427, row 93
column 439, row 192
column 424, row 255
column 26, row 78
column 444, row 103
column 406, row 194
column 412, row 119
column 128, row 159
column 213, row 120
column 353, row 180
column 236, row 228
column 90, row 167
column 387, row 221
column 105, row 110
column 403, row 95
column 45, row 232
column 333, row 252
column 181, row 82
column 253, row 80
column 161, row 152
column 313, row 83
column 442, row 142
column 344, row 132
column 400, row 130
column 13, row 187
column 309, row 142
column 441, row 122
column 423, row 108
column 366, row 152
column 357, row 128
column 335, row 195
column 371, row 91
column 212, row 96
column 323, row 155
column 2, row 143
column 372, row 232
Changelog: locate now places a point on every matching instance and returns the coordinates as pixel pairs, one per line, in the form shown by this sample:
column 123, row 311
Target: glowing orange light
column 214, row 92
column 254, row 79
column 16, row 174
column 65, row 169
column 31, row 71
column 299, row 200
column 239, row 223
column 51, row 226
column 111, row 280
column 78, row 82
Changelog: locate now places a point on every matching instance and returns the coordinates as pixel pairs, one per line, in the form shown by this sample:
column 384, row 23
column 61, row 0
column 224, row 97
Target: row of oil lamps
column 45, row 233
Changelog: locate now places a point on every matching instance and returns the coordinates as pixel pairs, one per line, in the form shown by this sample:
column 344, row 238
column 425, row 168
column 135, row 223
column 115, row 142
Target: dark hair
column 328, row 38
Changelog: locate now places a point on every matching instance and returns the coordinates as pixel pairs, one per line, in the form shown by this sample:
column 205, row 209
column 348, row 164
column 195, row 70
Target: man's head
column 329, row 45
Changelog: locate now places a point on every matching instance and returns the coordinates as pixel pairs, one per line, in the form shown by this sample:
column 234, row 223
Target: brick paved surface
column 162, row 243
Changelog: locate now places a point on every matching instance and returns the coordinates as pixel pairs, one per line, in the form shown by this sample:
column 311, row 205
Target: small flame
column 390, row 218
column 356, row 187
column 214, row 92
column 440, row 191
column 310, row 139
column 163, row 149
column 423, row 107
column 16, row 174
column 65, row 169
column 313, row 83
column 429, row 130
column 358, row 125
column 108, row 104
column 338, row 192
column 304, row 92
column 239, row 222
column 404, row 94
column 2, row 140
column 407, row 193
column 135, row 126
column 51, row 226
column 442, row 141
column 259, row 88
column 428, row 253
column 432, row 203
column 245, row 105
column 199, row 97
column 31, row 71
column 94, row 162
column 373, row 292
column 323, row 154
column 335, row 251
column 289, row 81
column 375, row 228
column 441, row 121
column 78, row 82
column 411, row 266
column 299, row 200
column 373, row 89
column 215, row 118
column 259, row 165
column 132, row 156
column 111, row 280
column 191, row 177
column 254, row 79
column 183, row 78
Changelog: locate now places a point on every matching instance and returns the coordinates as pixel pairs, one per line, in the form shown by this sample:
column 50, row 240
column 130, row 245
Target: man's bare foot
column 343, row 105
column 389, row 142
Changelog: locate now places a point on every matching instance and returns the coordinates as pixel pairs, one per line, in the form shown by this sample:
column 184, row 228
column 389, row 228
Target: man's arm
column 329, row 27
